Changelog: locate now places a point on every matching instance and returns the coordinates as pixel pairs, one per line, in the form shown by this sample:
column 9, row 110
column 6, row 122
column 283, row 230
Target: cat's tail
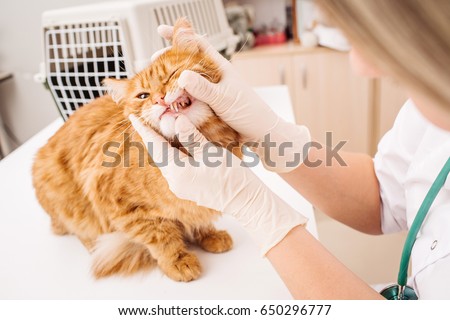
column 115, row 254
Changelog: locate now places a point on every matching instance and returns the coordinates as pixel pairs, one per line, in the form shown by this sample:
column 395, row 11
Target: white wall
column 26, row 107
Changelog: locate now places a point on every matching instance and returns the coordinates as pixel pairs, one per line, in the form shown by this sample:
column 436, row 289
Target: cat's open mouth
column 180, row 105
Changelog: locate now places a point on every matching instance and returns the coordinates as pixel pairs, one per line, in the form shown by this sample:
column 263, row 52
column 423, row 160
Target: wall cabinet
column 391, row 96
column 328, row 98
column 266, row 71
column 326, row 95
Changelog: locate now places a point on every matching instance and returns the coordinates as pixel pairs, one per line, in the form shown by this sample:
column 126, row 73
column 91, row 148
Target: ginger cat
column 125, row 214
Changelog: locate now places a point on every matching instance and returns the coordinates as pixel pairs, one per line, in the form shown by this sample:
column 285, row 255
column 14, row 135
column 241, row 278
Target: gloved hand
column 240, row 107
column 229, row 187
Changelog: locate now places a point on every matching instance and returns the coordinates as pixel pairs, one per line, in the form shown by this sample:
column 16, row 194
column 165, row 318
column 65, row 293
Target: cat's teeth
column 175, row 105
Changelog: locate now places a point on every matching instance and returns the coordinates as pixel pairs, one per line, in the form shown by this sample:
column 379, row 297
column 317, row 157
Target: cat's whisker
column 189, row 58
column 243, row 45
column 124, row 123
column 120, row 111
column 133, row 132
column 127, row 127
column 121, row 124
column 140, row 118
column 128, row 137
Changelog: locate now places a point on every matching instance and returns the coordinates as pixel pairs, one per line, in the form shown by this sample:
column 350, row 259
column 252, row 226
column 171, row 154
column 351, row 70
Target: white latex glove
column 241, row 108
column 230, row 187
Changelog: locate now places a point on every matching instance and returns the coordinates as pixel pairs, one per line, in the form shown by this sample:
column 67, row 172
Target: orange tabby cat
column 125, row 214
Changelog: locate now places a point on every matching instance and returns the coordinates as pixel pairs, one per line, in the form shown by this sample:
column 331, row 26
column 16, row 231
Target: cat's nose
column 160, row 100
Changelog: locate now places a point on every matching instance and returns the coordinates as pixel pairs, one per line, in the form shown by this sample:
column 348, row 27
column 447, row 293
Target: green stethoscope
column 401, row 291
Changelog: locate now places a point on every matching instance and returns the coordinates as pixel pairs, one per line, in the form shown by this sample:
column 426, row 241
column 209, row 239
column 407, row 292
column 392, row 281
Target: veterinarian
column 408, row 41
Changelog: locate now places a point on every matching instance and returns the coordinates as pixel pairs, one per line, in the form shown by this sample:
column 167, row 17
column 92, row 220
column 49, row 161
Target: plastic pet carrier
column 83, row 45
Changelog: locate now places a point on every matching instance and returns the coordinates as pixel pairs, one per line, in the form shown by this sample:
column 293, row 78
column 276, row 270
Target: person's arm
column 307, row 269
column 348, row 193
column 311, row 272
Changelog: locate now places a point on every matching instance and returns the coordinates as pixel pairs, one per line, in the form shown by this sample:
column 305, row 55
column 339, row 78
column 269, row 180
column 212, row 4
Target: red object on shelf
column 270, row 38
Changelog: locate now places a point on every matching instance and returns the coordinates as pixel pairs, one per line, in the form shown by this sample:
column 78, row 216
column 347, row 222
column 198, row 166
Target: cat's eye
column 143, row 95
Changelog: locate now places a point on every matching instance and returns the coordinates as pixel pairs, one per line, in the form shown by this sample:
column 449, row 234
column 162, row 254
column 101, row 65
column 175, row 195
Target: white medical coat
column 408, row 160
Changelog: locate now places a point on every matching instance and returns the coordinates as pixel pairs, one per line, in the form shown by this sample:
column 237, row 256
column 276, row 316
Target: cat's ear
column 116, row 88
column 184, row 36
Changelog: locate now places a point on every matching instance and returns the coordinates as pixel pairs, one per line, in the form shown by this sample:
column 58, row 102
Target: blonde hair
column 407, row 39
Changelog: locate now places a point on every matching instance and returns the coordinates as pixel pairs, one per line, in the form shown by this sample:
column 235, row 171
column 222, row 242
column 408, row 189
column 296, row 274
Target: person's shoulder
column 410, row 123
column 408, row 129
column 411, row 134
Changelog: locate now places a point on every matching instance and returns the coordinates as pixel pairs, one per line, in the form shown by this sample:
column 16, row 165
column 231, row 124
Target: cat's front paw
column 216, row 242
column 185, row 268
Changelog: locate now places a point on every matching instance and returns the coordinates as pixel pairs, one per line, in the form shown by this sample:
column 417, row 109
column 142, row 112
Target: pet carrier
column 83, row 45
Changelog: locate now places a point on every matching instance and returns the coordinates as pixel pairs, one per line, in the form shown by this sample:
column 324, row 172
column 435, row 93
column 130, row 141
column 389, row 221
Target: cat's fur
column 126, row 216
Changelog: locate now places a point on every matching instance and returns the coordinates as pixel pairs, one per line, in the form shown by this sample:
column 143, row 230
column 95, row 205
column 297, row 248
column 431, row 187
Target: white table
column 36, row 264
